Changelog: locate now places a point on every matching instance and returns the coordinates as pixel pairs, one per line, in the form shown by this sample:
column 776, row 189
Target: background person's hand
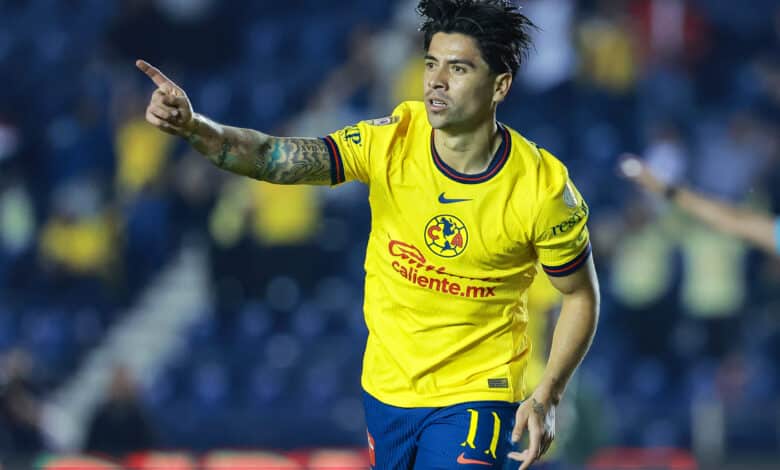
column 539, row 419
column 169, row 109
column 634, row 169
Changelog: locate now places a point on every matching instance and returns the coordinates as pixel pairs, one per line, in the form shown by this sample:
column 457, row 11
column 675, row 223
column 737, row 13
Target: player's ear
column 501, row 85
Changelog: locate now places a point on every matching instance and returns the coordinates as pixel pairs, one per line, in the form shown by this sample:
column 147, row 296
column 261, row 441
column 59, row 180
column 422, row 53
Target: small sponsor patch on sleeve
column 385, row 121
column 574, row 218
column 569, row 198
column 498, row 383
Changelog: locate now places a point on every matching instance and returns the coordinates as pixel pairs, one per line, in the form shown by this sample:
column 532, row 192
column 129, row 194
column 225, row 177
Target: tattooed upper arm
column 293, row 161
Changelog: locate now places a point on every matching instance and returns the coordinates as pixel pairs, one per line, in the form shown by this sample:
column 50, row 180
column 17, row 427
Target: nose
column 437, row 79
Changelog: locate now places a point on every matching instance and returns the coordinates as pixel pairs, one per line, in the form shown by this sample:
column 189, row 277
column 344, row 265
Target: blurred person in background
column 607, row 50
column 119, row 425
column 760, row 230
column 17, row 224
column 76, row 244
column 17, row 214
column 20, row 410
column 143, row 210
column 439, row 371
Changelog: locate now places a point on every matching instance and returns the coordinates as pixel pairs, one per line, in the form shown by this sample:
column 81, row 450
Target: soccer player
column 463, row 210
column 758, row 229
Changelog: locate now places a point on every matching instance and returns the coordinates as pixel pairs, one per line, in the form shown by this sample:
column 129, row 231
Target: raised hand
column 634, row 169
column 169, row 108
column 242, row 151
column 539, row 419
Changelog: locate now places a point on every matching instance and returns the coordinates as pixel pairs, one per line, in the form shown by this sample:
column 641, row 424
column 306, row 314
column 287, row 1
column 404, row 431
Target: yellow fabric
column 608, row 57
column 227, row 221
column 142, row 152
column 714, row 284
column 284, row 215
column 445, row 289
column 642, row 265
column 273, row 214
column 83, row 247
column 408, row 85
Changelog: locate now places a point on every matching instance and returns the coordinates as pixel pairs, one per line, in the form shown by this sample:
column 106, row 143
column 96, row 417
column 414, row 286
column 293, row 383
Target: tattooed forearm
column 293, row 160
column 260, row 156
column 226, row 146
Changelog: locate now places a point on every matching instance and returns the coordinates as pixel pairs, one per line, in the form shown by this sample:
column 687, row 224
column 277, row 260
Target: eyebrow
column 455, row 61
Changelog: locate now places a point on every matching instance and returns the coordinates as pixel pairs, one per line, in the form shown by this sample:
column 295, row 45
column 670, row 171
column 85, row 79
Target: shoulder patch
column 387, row 120
column 568, row 197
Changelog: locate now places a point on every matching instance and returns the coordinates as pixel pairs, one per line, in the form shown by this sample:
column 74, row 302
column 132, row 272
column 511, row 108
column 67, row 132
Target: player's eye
column 429, row 65
column 458, row 69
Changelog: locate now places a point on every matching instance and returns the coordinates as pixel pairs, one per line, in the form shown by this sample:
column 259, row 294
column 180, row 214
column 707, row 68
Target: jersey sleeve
column 349, row 150
column 561, row 235
column 360, row 150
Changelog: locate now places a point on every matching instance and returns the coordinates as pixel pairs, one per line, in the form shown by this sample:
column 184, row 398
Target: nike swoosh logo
column 444, row 200
column 466, row 461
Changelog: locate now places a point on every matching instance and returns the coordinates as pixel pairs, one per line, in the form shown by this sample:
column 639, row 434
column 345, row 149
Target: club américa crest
column 446, row 236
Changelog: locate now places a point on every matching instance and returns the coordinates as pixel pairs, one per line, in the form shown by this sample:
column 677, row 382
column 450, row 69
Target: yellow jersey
column 450, row 257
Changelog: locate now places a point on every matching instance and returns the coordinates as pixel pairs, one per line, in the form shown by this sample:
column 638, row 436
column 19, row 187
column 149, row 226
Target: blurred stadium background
column 149, row 302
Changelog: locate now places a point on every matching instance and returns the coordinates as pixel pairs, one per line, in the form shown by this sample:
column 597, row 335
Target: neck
column 468, row 152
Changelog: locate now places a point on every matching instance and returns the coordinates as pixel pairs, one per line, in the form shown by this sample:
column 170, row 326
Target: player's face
column 460, row 88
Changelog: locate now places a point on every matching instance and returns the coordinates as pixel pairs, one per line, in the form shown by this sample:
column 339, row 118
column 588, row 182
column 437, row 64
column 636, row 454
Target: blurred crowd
column 94, row 202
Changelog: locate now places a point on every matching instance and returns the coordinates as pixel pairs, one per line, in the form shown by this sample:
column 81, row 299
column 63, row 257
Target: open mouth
column 437, row 105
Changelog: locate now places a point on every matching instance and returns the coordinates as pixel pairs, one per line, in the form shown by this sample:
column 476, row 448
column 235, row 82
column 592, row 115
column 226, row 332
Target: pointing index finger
column 154, row 73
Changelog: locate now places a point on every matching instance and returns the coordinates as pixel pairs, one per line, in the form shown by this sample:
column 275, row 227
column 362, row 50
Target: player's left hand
column 538, row 417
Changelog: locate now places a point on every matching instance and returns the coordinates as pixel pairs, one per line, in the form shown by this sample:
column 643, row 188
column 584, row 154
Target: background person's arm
column 753, row 227
column 245, row 152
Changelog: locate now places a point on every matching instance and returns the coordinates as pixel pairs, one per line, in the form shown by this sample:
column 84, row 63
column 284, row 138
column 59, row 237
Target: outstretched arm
column 243, row 151
column 753, row 227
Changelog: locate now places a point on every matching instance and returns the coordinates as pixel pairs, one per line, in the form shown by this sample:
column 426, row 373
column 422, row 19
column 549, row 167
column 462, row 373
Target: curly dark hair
column 502, row 33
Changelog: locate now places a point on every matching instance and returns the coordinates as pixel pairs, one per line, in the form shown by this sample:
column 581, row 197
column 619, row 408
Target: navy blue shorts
column 465, row 436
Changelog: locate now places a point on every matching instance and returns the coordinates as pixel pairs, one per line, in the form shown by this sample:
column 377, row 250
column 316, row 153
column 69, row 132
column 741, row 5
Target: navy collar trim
column 498, row 161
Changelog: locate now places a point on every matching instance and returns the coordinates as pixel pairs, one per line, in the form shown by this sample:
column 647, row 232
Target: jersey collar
column 498, row 161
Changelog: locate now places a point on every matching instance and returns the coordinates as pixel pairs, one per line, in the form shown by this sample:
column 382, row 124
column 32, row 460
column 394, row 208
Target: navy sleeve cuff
column 570, row 267
column 336, row 163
